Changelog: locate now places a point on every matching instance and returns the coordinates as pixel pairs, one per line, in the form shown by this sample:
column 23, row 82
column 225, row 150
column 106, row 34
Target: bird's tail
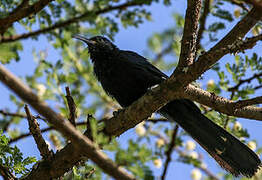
column 228, row 151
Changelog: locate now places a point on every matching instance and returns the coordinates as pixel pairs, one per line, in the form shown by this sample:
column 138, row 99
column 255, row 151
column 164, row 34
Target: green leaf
column 9, row 51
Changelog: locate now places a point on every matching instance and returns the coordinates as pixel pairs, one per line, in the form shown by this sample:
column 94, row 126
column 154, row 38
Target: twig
column 89, row 174
column 5, row 113
column 248, row 80
column 209, row 173
column 240, row 4
column 42, row 131
column 169, row 152
column 35, row 131
column 202, row 22
column 72, row 107
column 258, row 87
column 6, row 174
column 70, row 21
column 162, row 53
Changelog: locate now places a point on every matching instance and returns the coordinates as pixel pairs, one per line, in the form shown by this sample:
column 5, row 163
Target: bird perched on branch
column 126, row 76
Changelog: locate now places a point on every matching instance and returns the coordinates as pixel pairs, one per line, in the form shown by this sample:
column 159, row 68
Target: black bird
column 126, row 76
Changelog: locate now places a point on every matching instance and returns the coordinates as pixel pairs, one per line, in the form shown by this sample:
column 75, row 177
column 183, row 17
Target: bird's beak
column 84, row 39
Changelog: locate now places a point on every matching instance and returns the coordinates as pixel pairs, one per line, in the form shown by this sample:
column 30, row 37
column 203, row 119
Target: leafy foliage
column 12, row 158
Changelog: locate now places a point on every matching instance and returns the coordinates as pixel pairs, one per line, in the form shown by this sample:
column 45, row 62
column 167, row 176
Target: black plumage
column 126, row 76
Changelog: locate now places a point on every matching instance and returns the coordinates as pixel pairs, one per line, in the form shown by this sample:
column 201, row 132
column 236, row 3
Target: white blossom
column 196, row 174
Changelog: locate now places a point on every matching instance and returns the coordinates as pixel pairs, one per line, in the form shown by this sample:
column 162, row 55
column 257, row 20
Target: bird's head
column 97, row 45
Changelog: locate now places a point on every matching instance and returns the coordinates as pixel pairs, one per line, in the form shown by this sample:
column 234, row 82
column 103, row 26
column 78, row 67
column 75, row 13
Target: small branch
column 72, row 107
column 248, row 80
column 77, row 124
column 70, row 21
column 42, row 131
column 188, row 42
column 6, row 174
column 5, row 113
column 35, row 131
column 202, row 22
column 89, row 174
column 162, row 53
column 21, row 13
column 240, row 4
column 258, row 87
column 241, row 46
column 248, row 102
column 209, row 173
column 169, row 152
column 157, row 120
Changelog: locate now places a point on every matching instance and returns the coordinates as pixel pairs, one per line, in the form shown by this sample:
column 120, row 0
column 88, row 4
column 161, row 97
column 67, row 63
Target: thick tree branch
column 80, row 142
column 202, row 22
column 21, row 13
column 223, row 105
column 188, row 43
column 70, row 21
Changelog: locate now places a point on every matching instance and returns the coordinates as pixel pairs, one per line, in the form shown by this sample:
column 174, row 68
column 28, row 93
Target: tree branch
column 6, row 174
column 169, row 151
column 80, row 142
column 70, row 21
column 223, row 105
column 72, row 107
column 35, row 131
column 248, row 80
column 188, row 43
column 202, row 22
column 240, row 4
column 223, row 47
column 5, row 113
column 42, row 131
column 20, row 13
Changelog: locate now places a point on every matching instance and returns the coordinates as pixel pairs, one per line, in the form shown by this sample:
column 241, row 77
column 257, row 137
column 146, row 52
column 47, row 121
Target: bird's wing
column 142, row 62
